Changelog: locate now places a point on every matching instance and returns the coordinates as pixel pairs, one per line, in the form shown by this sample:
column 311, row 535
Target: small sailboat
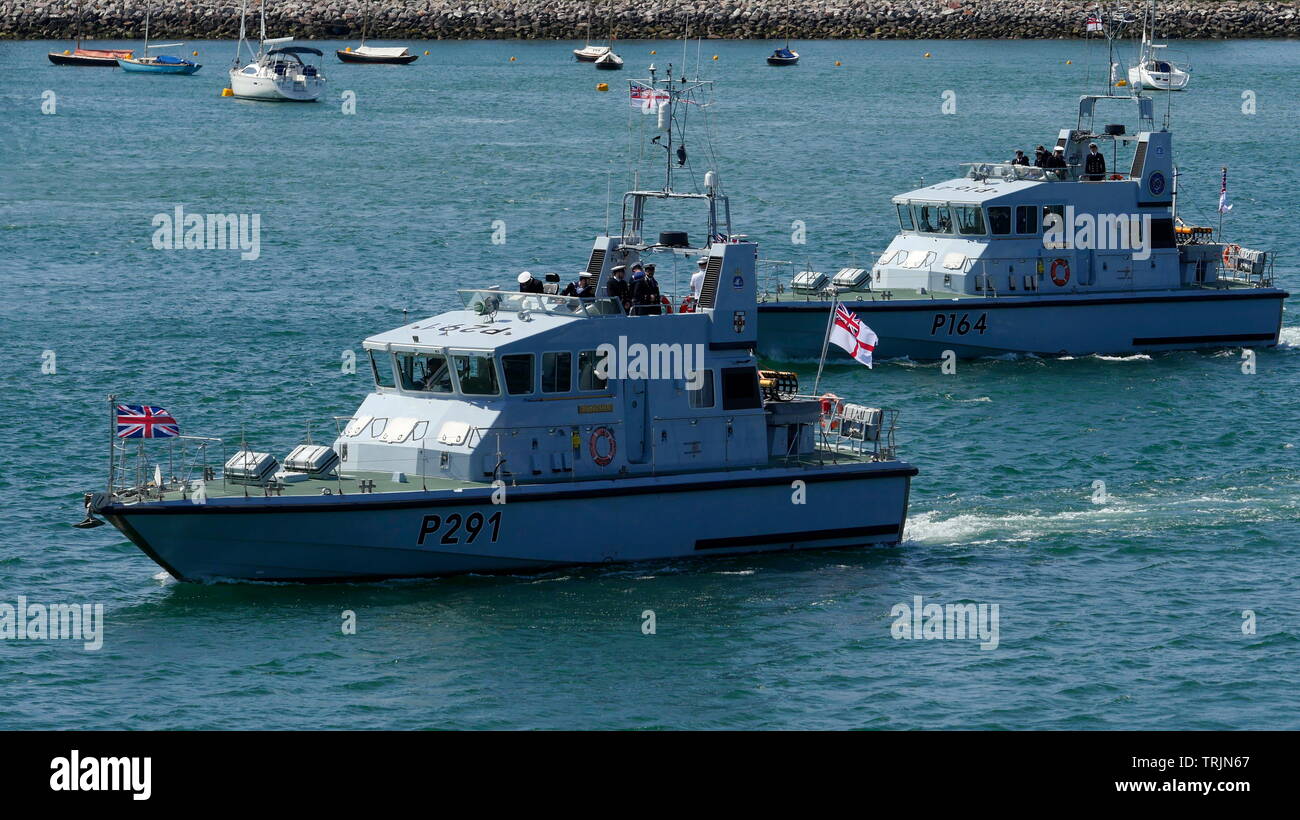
column 609, row 61
column 1154, row 70
column 589, row 53
column 161, row 64
column 281, row 74
column 106, row 57
column 389, row 55
column 783, row 55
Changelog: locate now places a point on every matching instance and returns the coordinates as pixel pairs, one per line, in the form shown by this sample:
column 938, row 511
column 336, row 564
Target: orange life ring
column 667, row 303
column 596, row 435
column 831, row 404
column 1230, row 255
column 1062, row 280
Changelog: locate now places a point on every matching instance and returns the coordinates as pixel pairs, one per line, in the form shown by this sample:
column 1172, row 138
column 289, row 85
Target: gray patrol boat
column 1015, row 259
column 534, row 430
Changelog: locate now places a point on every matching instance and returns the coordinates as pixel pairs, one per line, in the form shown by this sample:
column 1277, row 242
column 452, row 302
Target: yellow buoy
column 715, row 56
column 927, row 55
column 1121, row 83
column 602, row 86
column 512, row 59
column 654, row 52
column 1069, row 62
column 194, row 54
column 226, row 92
column 426, row 52
column 65, row 51
column 837, row 62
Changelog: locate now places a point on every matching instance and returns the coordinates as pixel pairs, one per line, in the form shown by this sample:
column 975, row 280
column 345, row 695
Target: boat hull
column 354, row 57
column 782, row 60
column 275, row 90
column 1157, row 80
column 146, row 68
column 1043, row 326
column 82, row 60
column 609, row 65
column 409, row 535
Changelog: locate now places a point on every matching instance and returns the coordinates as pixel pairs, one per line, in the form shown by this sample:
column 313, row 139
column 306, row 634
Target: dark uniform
column 645, row 296
column 1040, row 158
column 531, row 286
column 1056, row 159
column 1020, row 159
column 1095, row 166
column 581, row 288
column 618, row 289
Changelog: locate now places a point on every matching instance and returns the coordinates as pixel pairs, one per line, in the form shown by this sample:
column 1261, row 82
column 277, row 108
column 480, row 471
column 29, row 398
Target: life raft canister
column 688, row 305
column 597, row 435
column 1230, row 253
column 832, row 406
column 1061, row 279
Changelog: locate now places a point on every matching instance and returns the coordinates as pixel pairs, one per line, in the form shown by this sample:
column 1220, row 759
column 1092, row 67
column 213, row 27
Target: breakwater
column 635, row 19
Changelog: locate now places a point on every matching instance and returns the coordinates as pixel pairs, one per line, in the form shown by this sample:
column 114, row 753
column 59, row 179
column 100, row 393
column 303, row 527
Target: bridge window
column 518, row 369
column 557, row 372
column 970, row 219
column 477, row 375
column 382, row 365
column 905, row 218
column 1027, row 219
column 587, row 378
column 424, row 372
column 1000, row 220
column 701, row 397
column 933, row 218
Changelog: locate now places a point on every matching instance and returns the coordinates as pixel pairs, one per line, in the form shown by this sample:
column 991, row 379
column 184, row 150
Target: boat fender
column 1062, row 278
column 1230, row 253
column 596, row 436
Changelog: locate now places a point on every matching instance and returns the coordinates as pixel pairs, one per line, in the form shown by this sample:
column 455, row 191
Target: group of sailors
column 1094, row 165
column 639, row 295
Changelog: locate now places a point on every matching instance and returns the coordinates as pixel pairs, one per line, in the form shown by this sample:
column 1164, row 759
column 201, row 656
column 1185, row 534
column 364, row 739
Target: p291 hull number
column 958, row 324
column 435, row 529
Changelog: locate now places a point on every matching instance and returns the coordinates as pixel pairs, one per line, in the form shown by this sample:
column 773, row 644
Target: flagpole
column 112, row 432
column 826, row 339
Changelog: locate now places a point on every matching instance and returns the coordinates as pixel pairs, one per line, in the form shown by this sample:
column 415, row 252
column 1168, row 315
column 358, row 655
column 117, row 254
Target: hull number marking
column 958, row 324
column 456, row 526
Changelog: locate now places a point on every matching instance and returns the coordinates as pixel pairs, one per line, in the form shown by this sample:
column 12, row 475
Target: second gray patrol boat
column 977, row 269
column 510, row 435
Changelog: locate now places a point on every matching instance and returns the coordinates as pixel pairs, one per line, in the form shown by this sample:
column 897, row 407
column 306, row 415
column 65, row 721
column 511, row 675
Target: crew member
column 581, row 288
column 617, row 288
column 697, row 278
column 645, row 294
column 1020, row 158
column 1040, row 157
column 1095, row 164
column 527, row 284
column 1057, row 159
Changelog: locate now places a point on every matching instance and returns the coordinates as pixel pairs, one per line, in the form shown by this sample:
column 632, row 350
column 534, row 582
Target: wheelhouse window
column 587, row 378
column 933, row 218
column 477, row 374
column 1027, row 219
column 518, row 369
column 700, row 397
column 970, row 219
column 1000, row 220
column 905, row 217
column 381, row 363
column 557, row 372
column 424, row 372
column 740, row 388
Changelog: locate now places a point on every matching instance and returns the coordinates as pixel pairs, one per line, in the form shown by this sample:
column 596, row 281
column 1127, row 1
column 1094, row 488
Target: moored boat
column 78, row 56
column 783, row 55
column 159, row 64
column 378, row 55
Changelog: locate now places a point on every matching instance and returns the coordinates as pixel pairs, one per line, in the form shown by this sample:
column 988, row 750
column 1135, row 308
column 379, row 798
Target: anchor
column 90, row 521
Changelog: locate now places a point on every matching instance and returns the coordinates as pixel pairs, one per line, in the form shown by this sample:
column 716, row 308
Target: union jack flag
column 145, row 421
column 851, row 334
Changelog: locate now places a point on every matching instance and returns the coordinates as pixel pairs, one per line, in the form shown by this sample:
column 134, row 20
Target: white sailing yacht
column 280, row 74
column 589, row 53
column 1154, row 70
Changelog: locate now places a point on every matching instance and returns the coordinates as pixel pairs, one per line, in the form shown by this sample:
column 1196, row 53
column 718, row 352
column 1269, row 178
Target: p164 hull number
column 958, row 324
column 458, row 529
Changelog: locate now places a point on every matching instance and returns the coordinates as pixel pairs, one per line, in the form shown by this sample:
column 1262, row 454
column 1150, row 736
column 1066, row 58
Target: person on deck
column 527, row 284
column 581, row 288
column 645, row 294
column 697, row 278
column 1095, row 164
column 617, row 287
column 1020, row 158
column 1040, row 157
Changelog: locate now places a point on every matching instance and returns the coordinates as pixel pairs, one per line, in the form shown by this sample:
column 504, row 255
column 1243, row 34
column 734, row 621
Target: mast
column 146, row 33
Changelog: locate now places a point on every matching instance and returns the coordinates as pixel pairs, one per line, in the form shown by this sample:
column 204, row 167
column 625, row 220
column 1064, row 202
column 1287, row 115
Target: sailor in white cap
column 697, row 278
column 527, row 284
